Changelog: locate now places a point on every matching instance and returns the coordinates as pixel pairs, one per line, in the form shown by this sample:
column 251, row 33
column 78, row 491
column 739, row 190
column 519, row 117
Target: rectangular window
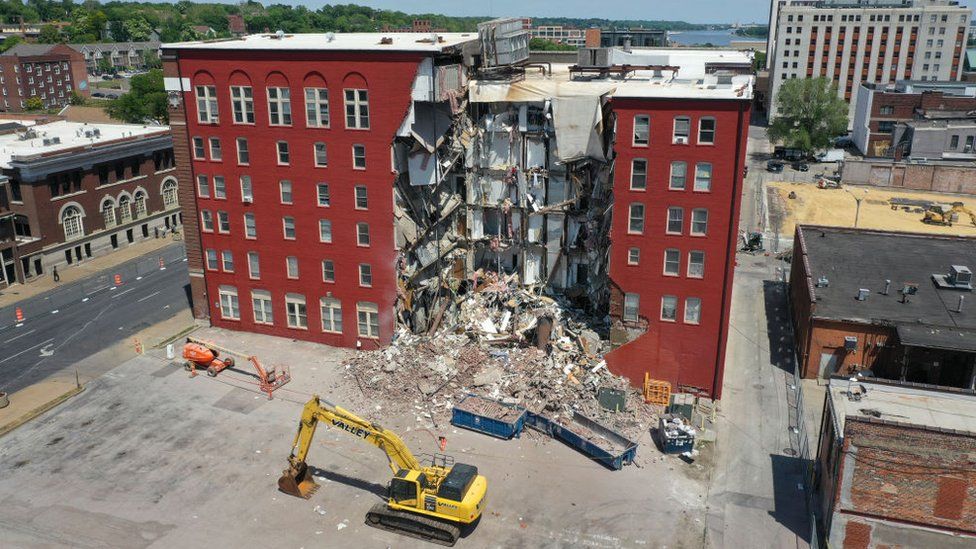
column 331, row 315
column 369, row 319
column 250, row 226
column 324, row 197
column 636, row 221
column 215, row 152
column 699, row 221
column 285, row 188
column 633, row 256
column 676, row 219
column 886, row 126
column 703, row 177
column 288, row 224
column 362, row 200
column 672, row 262
column 642, row 129
column 253, row 265
column 229, row 306
column 199, row 150
column 325, row 230
column 283, row 156
column 279, row 106
column 328, row 270
column 261, row 301
column 365, row 275
column 706, row 131
column 696, row 264
column 638, row 174
column 969, row 144
column 220, row 188
column 954, row 142
column 678, row 173
column 359, row 157
column 203, row 186
column 669, row 308
column 291, row 266
column 296, row 312
column 693, row 310
column 889, row 109
column 207, row 104
column 631, row 307
column 357, row 109
column 362, row 234
column 227, row 260
column 682, row 129
column 321, row 155
column 212, row 262
column 206, row 221
column 317, row 107
column 223, row 222
column 242, row 99
column 243, row 156
column 247, row 194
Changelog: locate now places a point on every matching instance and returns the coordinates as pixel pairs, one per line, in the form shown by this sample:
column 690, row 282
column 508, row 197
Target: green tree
column 137, row 29
column 118, row 30
column 33, row 104
column 809, row 114
column 49, row 35
column 541, row 44
column 759, row 60
column 151, row 59
column 10, row 42
column 145, row 101
column 77, row 98
column 104, row 65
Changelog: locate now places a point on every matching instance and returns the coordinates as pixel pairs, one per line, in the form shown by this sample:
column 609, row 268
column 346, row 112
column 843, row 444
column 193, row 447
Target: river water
column 691, row 38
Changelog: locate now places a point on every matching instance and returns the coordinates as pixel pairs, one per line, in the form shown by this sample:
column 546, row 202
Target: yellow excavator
column 943, row 214
column 429, row 502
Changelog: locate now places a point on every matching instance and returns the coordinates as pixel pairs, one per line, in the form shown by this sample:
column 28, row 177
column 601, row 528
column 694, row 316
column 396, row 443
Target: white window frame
column 290, row 273
column 285, row 192
column 703, row 184
column 216, row 153
column 243, row 152
column 206, row 221
column 325, row 231
column 320, row 153
column 250, row 226
column 283, row 152
column 212, row 259
column 633, row 256
column 288, row 225
column 203, row 186
column 696, row 264
column 227, row 261
column 679, row 218
column 702, row 131
column 639, row 120
column 356, row 102
column 634, row 172
column 368, row 317
column 362, row 234
column 73, row 222
column 207, row 110
column 678, row 138
column 242, row 101
column 693, row 305
column 330, row 309
column 634, row 219
column 665, row 299
column 230, row 306
column 279, row 106
column 695, row 222
column 672, row 262
column 219, row 188
column 199, row 148
column 328, row 268
column 684, row 176
column 357, row 157
column 631, row 308
column 296, row 311
column 247, row 189
column 317, row 107
column 361, row 197
column 253, row 266
column 223, row 219
column 365, row 275
column 320, row 195
column 262, row 307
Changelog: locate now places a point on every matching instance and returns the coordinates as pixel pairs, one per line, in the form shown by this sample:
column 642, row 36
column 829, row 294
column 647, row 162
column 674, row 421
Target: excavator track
column 413, row 525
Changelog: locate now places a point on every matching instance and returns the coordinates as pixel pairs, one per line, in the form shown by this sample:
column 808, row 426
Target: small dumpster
column 674, row 435
column 489, row 417
column 589, row 437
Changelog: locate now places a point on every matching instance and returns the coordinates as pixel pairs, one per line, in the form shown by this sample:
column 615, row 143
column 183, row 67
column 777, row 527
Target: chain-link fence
column 78, row 291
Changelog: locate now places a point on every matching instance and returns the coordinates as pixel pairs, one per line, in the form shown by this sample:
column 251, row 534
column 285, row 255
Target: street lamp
column 857, row 210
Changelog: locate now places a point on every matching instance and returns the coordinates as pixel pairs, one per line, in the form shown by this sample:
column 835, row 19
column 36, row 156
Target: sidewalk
column 79, row 271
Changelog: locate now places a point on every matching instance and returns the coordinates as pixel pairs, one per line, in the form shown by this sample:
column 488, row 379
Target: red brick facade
column 50, row 77
column 892, row 107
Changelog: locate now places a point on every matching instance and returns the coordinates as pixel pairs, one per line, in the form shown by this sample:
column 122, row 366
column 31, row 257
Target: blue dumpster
column 588, row 437
column 489, row 416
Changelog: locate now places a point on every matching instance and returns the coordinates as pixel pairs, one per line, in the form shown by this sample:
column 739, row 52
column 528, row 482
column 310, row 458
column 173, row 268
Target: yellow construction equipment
column 428, row 502
column 947, row 214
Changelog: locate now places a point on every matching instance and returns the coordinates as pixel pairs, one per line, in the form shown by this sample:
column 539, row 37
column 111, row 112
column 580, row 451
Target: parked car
column 789, row 155
column 774, row 166
column 801, row 166
column 832, row 155
column 98, row 94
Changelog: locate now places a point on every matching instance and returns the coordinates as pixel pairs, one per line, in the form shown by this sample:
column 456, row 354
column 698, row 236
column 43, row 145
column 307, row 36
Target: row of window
column 669, row 309
column 675, row 224
column 287, row 227
column 672, row 262
column 115, row 212
column 678, row 178
column 681, row 131
column 286, row 196
column 320, row 153
column 355, row 101
column 224, row 261
column 296, row 312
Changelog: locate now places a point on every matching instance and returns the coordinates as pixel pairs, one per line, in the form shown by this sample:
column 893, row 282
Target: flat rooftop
column 906, row 405
column 690, row 81
column 29, row 143
column 339, row 41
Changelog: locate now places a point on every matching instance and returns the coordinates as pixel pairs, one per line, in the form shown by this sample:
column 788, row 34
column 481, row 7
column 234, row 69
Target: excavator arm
column 297, row 482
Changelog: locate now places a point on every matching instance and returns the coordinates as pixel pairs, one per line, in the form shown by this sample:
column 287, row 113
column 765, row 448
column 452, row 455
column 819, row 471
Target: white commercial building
column 855, row 41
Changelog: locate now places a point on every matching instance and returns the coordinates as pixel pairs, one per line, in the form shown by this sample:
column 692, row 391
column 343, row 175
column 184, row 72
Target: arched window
column 108, row 212
column 140, row 202
column 125, row 208
column 170, row 196
column 71, row 220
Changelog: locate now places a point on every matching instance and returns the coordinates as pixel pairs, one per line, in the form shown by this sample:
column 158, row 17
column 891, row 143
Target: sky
column 692, row 11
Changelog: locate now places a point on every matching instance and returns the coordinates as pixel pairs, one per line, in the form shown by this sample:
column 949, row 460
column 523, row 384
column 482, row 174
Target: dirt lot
column 147, row 457
column 837, row 207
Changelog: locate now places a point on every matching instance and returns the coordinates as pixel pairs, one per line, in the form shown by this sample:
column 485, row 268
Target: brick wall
column 903, row 108
column 956, row 179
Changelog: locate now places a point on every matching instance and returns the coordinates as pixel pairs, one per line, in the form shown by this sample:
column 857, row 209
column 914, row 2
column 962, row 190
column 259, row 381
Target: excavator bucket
column 297, row 481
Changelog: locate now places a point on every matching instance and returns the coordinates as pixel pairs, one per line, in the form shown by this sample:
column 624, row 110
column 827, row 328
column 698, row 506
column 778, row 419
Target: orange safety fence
column 656, row 391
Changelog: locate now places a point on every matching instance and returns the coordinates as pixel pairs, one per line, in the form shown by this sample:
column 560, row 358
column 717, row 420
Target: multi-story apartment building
column 120, row 55
column 73, row 191
column 413, row 164
column 878, row 42
column 560, row 34
column 45, row 71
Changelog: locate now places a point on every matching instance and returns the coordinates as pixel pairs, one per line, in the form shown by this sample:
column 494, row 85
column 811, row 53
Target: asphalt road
column 50, row 341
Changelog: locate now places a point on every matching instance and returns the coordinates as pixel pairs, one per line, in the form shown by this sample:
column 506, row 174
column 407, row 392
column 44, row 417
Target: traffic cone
column 118, row 279
column 162, row 266
column 20, row 314
column 443, row 443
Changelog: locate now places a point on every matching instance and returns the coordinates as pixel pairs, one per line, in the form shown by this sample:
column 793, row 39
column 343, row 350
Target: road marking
column 46, row 351
column 18, row 325
column 86, row 299
column 41, row 344
column 113, row 287
column 20, row 336
column 122, row 293
column 138, row 278
column 55, row 311
column 148, row 296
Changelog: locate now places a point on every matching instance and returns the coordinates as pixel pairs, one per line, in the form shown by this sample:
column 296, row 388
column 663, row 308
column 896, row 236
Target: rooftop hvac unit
column 961, row 277
column 47, row 142
column 97, row 132
column 503, row 42
column 593, row 57
column 55, row 140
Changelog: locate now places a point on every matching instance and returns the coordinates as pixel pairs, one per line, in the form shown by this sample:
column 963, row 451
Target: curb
column 4, row 429
column 177, row 335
